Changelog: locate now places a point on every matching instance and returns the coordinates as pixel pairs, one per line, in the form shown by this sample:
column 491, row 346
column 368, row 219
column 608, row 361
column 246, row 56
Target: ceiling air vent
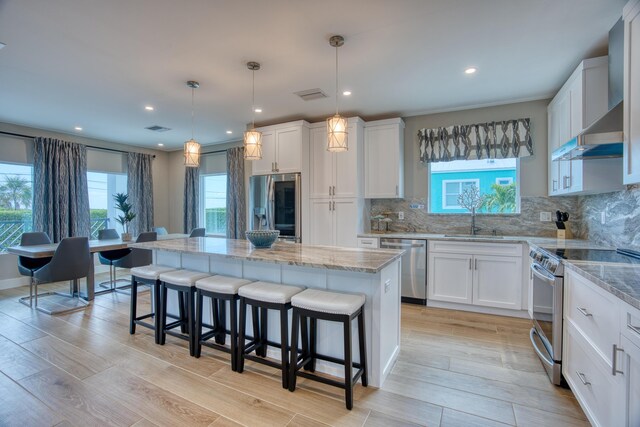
column 311, row 94
column 157, row 128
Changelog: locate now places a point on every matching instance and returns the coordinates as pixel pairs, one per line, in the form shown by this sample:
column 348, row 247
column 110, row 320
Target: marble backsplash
column 622, row 217
column 526, row 223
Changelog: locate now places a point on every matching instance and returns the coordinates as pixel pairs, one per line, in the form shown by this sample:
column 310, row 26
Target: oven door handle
column 542, row 357
column 542, row 274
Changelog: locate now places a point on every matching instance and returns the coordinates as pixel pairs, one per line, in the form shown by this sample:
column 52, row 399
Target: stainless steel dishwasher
column 414, row 268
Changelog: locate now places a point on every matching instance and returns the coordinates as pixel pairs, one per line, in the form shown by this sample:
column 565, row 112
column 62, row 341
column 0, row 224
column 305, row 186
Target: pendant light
column 192, row 147
column 252, row 137
column 337, row 138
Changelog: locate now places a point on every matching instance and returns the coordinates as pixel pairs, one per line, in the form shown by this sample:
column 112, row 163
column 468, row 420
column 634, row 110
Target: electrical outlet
column 603, row 217
column 400, row 215
column 545, row 216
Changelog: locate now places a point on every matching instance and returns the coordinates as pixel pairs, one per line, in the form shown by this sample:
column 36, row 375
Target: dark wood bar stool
column 147, row 275
column 265, row 296
column 220, row 289
column 184, row 282
column 315, row 304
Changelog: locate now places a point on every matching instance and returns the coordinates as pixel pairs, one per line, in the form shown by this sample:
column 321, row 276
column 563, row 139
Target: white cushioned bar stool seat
column 222, row 284
column 184, row 282
column 219, row 289
column 269, row 292
column 147, row 275
column 312, row 305
column 328, row 302
column 264, row 296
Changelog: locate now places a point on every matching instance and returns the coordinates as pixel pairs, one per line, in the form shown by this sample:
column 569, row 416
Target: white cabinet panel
column 384, row 148
column 347, row 172
column 266, row 164
column 450, row 277
column 630, row 389
column 289, row 150
column 321, row 175
column 321, row 222
column 576, row 107
column 497, row 281
column 345, row 222
column 631, row 106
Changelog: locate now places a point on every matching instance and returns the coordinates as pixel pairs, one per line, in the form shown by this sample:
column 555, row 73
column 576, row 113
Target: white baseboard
column 524, row 314
column 14, row 282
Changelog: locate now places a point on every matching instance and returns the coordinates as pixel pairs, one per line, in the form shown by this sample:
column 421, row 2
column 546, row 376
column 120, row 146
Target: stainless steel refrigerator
column 274, row 204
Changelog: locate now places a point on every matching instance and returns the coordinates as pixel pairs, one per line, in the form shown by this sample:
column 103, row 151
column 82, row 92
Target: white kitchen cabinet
column 334, row 222
column 629, row 390
column 368, row 242
column 384, row 159
column 321, row 222
column 481, row 274
column 631, row 107
column 337, row 175
column 281, row 148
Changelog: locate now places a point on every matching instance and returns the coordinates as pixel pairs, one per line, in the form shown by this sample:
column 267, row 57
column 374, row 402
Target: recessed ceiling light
column 149, row 108
column 78, row 128
column 229, row 132
column 346, row 93
column 258, row 110
column 470, row 70
column 160, row 144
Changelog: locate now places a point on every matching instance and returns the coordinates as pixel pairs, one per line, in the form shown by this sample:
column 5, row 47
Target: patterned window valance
column 494, row 140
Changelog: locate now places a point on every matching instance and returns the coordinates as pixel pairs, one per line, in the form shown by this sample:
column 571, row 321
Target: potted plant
column 127, row 216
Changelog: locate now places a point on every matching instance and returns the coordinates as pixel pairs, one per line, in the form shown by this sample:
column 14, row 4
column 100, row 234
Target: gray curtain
column 60, row 191
column 236, row 207
column 140, row 190
column 494, row 140
column 191, row 198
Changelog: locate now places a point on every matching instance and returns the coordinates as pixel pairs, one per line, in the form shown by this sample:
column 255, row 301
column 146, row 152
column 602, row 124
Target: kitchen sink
column 471, row 236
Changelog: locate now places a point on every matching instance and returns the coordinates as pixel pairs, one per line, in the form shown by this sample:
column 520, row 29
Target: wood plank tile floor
column 455, row 369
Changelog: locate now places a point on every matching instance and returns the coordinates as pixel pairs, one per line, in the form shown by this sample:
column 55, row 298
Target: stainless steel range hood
column 603, row 139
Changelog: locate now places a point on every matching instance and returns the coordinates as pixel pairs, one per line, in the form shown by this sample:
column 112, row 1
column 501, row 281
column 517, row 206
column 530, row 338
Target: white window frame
column 476, row 181
column 202, row 214
column 507, row 178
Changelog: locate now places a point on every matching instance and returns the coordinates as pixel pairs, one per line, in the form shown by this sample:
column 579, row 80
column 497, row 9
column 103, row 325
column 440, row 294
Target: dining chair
column 109, row 257
column 197, row 232
column 70, row 262
column 28, row 266
column 160, row 230
column 137, row 257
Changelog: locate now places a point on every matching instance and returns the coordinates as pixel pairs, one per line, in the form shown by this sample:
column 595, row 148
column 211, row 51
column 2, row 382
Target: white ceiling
column 97, row 63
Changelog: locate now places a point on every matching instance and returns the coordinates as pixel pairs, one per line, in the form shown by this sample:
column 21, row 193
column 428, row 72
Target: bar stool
column 265, row 296
column 220, row 289
column 336, row 307
column 184, row 282
column 148, row 275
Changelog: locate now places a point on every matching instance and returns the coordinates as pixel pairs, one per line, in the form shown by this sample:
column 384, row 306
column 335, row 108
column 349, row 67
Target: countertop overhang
column 326, row 257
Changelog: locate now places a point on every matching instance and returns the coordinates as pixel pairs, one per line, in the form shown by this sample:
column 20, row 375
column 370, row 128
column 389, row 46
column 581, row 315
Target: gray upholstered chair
column 138, row 257
column 71, row 261
column 197, row 232
column 28, row 266
column 160, row 230
column 109, row 257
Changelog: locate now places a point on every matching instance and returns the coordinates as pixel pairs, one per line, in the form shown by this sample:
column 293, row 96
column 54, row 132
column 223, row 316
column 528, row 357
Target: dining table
column 47, row 250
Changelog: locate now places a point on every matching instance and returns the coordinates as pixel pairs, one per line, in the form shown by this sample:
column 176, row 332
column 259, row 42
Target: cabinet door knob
column 476, row 264
column 583, row 378
column 470, row 263
column 334, row 190
column 584, row 312
column 396, row 190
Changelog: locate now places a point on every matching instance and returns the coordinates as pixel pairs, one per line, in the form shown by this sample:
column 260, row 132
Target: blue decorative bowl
column 262, row 238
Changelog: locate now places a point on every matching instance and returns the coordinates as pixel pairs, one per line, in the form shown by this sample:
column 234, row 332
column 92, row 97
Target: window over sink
column 497, row 180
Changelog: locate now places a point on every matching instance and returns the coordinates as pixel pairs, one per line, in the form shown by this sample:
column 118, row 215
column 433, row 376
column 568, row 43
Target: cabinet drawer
column 481, row 248
column 368, row 242
column 590, row 379
column 630, row 323
column 593, row 311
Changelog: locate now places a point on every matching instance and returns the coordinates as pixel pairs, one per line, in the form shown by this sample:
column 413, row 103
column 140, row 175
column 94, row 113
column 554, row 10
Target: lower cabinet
column 334, row 222
column 481, row 274
column 629, row 391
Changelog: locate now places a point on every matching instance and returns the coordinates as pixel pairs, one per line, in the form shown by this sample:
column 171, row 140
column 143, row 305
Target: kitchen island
column 372, row 272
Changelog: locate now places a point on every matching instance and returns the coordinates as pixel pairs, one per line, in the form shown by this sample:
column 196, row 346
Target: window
column 102, row 187
column 497, row 180
column 16, row 197
column 213, row 203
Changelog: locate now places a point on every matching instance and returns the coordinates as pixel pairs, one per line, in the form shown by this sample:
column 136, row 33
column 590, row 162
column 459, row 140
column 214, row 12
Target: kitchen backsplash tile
column 526, row 223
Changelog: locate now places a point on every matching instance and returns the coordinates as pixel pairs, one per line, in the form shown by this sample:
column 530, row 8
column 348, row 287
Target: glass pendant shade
column 337, row 137
column 191, row 153
column 252, row 145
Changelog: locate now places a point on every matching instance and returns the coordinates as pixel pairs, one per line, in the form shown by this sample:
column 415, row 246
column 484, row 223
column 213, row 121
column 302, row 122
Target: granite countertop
column 327, row 257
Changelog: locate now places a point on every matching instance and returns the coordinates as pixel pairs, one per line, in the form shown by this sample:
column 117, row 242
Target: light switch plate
column 400, row 215
column 603, row 217
column 545, row 216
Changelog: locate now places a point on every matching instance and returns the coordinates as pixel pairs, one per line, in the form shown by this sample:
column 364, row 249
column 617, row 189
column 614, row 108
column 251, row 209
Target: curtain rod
column 86, row 145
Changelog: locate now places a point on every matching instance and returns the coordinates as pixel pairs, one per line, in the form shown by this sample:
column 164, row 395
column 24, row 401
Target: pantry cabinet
column 334, row 222
column 631, row 107
column 384, row 159
column 281, row 148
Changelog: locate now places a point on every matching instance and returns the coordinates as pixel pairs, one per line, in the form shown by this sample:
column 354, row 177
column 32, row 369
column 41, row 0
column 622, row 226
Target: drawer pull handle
column 583, row 378
column 584, row 311
column 614, row 360
column 635, row 329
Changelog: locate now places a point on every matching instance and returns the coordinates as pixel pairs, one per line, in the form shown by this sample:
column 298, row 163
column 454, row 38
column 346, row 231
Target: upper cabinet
column 631, row 127
column 384, row 159
column 281, row 148
column 336, row 175
column 580, row 101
